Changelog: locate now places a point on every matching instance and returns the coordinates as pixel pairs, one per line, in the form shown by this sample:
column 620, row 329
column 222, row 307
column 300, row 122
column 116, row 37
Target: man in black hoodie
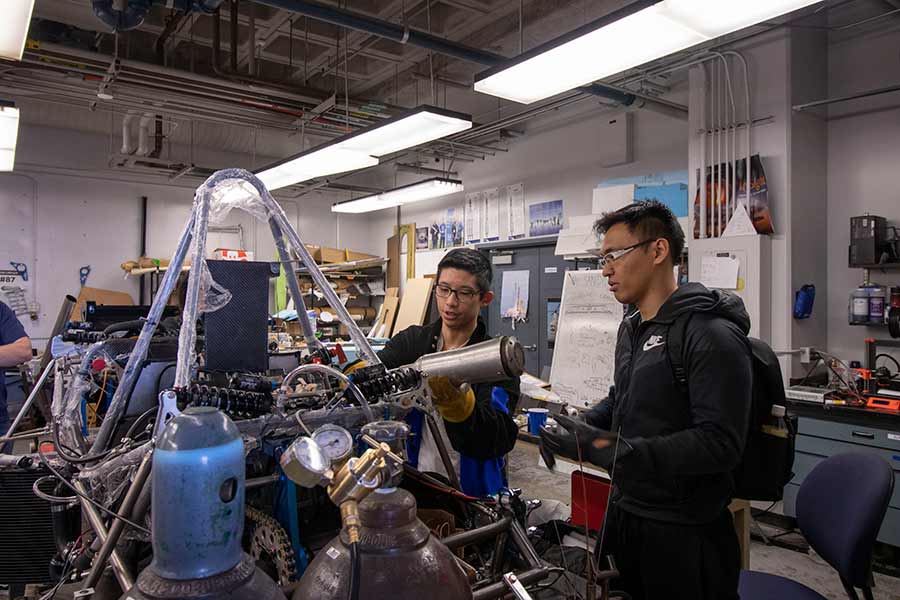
column 671, row 453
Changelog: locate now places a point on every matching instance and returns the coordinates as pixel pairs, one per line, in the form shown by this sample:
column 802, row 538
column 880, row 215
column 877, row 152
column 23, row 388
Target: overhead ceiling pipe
column 406, row 35
column 392, row 31
column 132, row 15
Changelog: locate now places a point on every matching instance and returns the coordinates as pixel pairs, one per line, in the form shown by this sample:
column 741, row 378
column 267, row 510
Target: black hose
column 160, row 376
column 134, row 426
column 354, row 571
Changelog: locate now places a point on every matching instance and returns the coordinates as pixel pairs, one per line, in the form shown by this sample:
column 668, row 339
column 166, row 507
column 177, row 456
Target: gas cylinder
column 197, row 515
column 399, row 558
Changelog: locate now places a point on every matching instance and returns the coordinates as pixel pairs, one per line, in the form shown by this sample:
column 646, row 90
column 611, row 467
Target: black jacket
column 685, row 445
column 488, row 432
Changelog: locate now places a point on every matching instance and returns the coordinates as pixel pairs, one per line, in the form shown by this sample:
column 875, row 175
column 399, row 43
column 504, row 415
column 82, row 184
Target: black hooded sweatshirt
column 685, row 445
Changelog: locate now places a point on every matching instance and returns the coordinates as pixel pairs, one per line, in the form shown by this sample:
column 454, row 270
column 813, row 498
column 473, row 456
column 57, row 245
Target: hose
column 330, row 372
column 354, row 571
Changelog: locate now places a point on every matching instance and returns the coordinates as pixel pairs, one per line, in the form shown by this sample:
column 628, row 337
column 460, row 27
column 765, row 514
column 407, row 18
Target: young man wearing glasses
column 475, row 420
column 670, row 451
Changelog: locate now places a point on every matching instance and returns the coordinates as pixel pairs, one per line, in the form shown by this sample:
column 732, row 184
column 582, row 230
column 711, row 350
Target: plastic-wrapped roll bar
column 220, row 193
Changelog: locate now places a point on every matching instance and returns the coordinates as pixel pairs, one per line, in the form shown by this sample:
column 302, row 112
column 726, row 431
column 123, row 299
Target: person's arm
column 719, row 387
column 600, row 415
column 15, row 353
column 487, row 432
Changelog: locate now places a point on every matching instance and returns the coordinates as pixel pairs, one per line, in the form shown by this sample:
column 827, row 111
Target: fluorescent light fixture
column 362, row 148
column 639, row 33
column 407, row 194
column 9, row 133
column 317, row 162
column 423, row 125
column 14, row 30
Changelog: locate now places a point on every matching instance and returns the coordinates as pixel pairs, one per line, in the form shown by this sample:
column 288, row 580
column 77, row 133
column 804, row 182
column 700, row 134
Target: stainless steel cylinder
column 494, row 360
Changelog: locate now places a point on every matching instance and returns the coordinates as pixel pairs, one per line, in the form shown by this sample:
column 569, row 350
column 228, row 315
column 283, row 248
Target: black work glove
column 581, row 441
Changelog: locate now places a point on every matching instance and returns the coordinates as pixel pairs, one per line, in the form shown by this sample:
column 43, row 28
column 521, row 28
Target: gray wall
column 863, row 169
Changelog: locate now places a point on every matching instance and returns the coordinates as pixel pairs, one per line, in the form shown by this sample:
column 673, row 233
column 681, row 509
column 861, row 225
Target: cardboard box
column 353, row 255
column 330, row 255
column 229, row 254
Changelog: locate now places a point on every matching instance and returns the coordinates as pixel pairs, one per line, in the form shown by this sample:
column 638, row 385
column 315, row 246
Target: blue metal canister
column 198, row 496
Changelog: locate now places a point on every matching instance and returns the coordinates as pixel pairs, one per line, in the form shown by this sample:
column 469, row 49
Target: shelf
column 883, row 266
column 868, row 324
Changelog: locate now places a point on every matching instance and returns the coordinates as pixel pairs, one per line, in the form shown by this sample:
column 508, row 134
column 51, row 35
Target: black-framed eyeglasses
column 614, row 255
column 464, row 295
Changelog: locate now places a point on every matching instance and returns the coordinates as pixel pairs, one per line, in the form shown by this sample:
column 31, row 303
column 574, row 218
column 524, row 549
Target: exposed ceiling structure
column 285, row 80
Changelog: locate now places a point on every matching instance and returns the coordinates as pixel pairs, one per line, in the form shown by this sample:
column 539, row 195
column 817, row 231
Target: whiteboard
column 585, row 349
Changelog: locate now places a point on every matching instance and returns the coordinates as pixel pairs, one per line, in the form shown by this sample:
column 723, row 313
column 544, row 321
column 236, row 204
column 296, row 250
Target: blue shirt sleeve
column 10, row 327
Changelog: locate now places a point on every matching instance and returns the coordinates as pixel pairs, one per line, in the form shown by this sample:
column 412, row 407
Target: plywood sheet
column 414, row 304
column 100, row 296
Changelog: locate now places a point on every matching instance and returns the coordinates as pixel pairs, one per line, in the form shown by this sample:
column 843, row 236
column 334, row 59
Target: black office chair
column 840, row 507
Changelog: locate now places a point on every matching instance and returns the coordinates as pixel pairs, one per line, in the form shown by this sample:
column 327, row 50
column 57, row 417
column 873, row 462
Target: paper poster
column 515, row 208
column 491, row 232
column 740, row 223
column 474, row 217
column 719, row 191
column 421, row 238
column 719, row 272
column 446, row 229
column 514, row 296
column 545, row 218
column 552, row 320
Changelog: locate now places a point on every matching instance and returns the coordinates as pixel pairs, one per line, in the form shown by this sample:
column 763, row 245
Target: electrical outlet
column 806, row 355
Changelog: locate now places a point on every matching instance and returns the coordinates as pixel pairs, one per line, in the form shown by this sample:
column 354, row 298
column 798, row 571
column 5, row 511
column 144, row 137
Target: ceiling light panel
column 363, row 205
column 9, row 133
column 720, row 17
column 416, row 192
column 632, row 40
column 361, row 149
column 410, row 131
column 14, row 28
column 327, row 160
column 647, row 32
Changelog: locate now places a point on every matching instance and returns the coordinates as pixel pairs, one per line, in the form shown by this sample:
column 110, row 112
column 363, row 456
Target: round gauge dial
column 305, row 462
column 336, row 442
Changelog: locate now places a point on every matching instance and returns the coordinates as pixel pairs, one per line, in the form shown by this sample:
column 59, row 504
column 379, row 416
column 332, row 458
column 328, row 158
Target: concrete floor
column 810, row 570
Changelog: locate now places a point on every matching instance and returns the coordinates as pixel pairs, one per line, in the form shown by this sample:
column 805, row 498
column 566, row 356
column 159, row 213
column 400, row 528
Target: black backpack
column 766, row 466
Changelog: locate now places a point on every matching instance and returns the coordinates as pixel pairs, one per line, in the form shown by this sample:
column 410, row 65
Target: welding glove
column 454, row 403
column 580, row 441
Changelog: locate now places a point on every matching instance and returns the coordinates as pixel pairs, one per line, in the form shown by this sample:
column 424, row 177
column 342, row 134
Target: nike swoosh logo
column 653, row 343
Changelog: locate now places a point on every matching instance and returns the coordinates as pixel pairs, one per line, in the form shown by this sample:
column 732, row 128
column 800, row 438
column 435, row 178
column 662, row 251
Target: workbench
column 826, row 430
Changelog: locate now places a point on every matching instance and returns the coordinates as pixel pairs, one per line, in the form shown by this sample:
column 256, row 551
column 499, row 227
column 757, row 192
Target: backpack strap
column 675, row 337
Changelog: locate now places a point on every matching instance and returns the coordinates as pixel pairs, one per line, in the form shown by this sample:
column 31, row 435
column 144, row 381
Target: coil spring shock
column 392, row 382
column 239, row 403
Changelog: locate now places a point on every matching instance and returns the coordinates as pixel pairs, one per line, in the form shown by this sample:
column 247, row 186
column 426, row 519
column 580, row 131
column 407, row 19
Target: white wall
column 557, row 159
column 863, row 160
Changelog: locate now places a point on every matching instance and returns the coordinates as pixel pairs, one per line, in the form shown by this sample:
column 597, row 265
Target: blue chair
column 840, row 507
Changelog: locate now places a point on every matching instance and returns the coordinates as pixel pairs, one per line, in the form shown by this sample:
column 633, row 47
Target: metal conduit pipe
column 385, row 29
column 427, row 41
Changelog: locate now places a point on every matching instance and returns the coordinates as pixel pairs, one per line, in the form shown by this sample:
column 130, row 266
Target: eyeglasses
column 464, row 295
column 614, row 255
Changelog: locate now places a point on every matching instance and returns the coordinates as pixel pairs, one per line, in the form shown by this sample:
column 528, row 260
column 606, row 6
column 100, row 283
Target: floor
column 538, row 482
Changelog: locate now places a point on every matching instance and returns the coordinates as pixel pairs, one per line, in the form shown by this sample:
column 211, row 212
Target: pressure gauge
column 306, row 463
column 336, row 442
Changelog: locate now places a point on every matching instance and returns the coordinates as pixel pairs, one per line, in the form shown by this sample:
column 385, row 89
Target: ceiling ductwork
column 122, row 15
column 406, row 35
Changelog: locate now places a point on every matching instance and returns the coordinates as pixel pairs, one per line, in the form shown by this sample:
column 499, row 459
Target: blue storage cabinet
column 823, row 433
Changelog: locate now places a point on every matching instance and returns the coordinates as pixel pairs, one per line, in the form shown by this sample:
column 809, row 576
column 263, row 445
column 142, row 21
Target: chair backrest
column 840, row 507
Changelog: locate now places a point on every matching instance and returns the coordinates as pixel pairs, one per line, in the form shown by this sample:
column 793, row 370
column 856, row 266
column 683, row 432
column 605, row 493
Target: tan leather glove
column 455, row 404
